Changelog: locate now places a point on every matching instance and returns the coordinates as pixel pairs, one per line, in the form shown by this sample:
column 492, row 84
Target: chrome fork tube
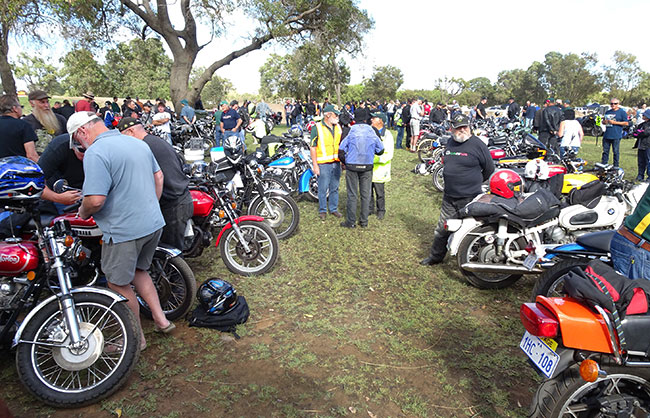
column 65, row 299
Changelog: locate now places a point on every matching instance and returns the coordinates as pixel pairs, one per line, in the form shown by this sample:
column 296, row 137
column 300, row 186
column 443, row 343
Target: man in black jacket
column 513, row 110
column 550, row 124
column 467, row 165
column 438, row 115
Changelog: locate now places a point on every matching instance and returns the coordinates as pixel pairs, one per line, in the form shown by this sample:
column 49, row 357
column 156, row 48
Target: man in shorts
column 122, row 185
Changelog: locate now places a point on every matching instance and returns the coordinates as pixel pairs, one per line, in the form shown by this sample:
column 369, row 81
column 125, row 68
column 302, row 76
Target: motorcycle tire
column 263, row 244
column 438, row 178
column 273, row 182
column 474, row 242
column 550, row 283
column 567, row 393
column 48, row 372
column 312, row 192
column 426, row 150
column 283, row 215
column 176, row 286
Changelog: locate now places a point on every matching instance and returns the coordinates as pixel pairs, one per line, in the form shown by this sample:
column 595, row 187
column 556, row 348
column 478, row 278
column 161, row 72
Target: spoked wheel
column 273, row 182
column 262, row 244
column 438, row 178
column 176, row 286
column 624, row 392
column 475, row 248
column 66, row 376
column 281, row 214
column 551, row 282
column 425, row 150
column 312, row 193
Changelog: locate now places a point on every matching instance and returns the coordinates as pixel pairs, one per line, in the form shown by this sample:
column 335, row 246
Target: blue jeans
column 218, row 137
column 288, row 118
column 358, row 185
column 630, row 260
column 614, row 143
column 300, row 122
column 330, row 176
column 400, row 136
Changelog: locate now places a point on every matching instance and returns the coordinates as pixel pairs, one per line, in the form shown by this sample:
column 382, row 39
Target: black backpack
column 226, row 322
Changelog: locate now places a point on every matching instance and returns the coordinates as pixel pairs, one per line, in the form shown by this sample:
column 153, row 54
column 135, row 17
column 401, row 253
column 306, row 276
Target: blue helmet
column 20, row 179
column 217, row 296
column 295, row 131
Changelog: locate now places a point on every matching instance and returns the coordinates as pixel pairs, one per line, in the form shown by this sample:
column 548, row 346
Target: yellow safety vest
column 328, row 146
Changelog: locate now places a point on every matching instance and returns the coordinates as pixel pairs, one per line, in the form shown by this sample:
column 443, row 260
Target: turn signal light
column 68, row 241
column 538, row 320
column 82, row 256
column 31, row 275
column 222, row 214
column 530, row 247
column 233, row 205
column 589, row 370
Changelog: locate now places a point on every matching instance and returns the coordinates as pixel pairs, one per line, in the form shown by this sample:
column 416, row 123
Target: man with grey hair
column 122, row 185
column 43, row 120
column 18, row 137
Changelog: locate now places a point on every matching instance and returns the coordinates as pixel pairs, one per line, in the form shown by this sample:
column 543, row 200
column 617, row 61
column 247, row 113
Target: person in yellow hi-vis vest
column 325, row 140
column 381, row 169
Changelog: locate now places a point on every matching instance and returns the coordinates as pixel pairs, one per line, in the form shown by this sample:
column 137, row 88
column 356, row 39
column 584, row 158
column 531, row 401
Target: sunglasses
column 613, row 103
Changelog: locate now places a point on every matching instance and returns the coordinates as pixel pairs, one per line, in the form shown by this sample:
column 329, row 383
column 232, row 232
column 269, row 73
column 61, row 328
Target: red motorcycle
column 247, row 244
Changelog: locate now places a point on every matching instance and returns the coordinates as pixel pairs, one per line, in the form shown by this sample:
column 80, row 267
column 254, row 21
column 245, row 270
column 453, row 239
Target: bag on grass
column 226, row 322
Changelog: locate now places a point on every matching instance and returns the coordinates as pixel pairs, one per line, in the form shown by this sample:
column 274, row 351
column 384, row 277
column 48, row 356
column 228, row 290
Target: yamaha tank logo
column 610, row 211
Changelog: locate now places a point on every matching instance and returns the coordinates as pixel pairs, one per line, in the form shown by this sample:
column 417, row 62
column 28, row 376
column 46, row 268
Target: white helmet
column 537, row 169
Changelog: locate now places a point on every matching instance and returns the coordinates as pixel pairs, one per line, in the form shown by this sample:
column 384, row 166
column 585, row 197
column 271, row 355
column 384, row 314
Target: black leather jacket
column 551, row 118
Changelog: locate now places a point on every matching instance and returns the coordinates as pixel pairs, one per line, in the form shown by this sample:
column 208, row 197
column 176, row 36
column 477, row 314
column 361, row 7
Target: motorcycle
column 495, row 250
column 592, row 352
column 78, row 345
column 291, row 166
column 172, row 276
column 247, row 244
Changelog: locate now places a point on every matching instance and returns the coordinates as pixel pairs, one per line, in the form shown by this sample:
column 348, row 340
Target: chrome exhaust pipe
column 499, row 268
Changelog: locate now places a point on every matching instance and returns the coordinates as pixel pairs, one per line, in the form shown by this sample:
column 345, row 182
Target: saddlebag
column 588, row 194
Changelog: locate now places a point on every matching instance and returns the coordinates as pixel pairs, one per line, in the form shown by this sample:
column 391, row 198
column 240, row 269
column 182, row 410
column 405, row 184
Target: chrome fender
column 168, row 252
column 102, row 291
column 459, row 232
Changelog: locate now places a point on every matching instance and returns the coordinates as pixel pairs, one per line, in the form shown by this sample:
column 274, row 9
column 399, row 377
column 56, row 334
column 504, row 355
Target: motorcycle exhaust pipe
column 499, row 268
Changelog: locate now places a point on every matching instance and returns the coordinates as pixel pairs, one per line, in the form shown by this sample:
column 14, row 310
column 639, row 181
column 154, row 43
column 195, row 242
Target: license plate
column 530, row 261
column 540, row 353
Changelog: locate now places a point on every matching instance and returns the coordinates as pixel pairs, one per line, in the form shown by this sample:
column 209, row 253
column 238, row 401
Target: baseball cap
column 185, row 102
column 459, row 121
column 126, row 123
column 380, row 115
column 76, row 121
column 646, row 114
column 223, row 102
column 330, row 108
column 38, row 95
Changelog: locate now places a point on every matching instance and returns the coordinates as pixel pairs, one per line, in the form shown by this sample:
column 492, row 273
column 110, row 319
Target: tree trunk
column 337, row 87
column 6, row 74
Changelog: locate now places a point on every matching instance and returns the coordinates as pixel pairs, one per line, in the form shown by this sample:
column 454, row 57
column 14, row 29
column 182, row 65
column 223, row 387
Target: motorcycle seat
column 636, row 329
column 597, row 240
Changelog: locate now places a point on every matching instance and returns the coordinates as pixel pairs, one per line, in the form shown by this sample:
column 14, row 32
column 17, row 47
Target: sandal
column 169, row 328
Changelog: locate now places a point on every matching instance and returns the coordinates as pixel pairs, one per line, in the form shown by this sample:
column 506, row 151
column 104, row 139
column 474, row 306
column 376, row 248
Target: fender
column 167, row 251
column 456, row 238
column 237, row 221
column 303, row 183
column 99, row 290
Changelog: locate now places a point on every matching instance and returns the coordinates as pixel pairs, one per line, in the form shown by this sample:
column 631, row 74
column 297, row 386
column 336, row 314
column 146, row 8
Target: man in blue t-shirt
column 188, row 116
column 230, row 122
column 615, row 119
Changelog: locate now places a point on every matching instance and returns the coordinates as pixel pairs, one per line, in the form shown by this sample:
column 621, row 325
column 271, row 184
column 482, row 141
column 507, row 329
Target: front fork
column 66, row 302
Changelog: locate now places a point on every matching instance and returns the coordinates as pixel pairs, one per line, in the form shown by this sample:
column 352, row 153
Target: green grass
column 347, row 321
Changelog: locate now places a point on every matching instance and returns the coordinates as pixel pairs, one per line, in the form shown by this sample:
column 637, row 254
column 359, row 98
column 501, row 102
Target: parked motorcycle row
column 586, row 326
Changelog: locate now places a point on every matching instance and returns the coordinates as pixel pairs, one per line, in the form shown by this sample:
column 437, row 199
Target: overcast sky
column 468, row 39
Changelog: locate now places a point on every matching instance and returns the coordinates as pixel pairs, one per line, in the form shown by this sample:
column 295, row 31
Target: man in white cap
column 122, row 185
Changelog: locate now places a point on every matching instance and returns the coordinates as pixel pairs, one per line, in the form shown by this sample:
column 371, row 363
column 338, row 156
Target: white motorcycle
column 495, row 251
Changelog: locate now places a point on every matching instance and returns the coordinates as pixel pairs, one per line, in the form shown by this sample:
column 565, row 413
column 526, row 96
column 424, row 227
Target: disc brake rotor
column 75, row 359
column 253, row 246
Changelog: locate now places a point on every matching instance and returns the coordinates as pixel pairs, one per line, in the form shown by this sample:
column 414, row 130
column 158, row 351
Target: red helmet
column 506, row 183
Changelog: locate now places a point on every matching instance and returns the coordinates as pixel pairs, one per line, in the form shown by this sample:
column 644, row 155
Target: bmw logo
column 610, row 211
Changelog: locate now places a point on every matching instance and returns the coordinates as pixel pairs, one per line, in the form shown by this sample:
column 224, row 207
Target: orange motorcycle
column 592, row 346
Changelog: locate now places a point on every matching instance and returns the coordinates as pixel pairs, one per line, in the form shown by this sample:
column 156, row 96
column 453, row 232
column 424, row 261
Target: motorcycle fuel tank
column 82, row 227
column 18, row 257
column 202, row 203
column 284, row 162
column 608, row 213
column 574, row 180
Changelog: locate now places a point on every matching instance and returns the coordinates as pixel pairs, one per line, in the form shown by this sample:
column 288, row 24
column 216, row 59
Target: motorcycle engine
column 556, row 234
column 10, row 291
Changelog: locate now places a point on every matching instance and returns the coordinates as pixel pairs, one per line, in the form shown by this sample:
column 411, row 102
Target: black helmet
column 217, row 296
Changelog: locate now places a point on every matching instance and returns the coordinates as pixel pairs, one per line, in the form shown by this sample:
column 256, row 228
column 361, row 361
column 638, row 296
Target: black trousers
column 448, row 210
column 358, row 184
column 378, row 195
column 176, row 216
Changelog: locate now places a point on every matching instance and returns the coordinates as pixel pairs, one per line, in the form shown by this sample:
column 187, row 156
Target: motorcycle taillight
column 538, row 320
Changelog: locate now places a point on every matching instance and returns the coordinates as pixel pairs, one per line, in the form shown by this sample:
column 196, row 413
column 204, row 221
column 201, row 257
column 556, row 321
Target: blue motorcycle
column 291, row 165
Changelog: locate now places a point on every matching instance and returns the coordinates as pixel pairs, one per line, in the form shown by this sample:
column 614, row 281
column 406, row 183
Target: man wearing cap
column 122, row 185
column 467, row 165
column 230, row 121
column 357, row 151
column 43, row 120
column 85, row 104
column 381, row 165
column 615, row 119
column 481, row 112
column 18, row 137
column 161, row 120
column 187, row 116
column 325, row 141
column 176, row 201
column 218, row 133
column 549, row 125
column 438, row 114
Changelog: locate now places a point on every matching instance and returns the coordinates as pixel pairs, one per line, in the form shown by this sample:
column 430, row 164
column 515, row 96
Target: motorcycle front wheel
column 438, row 178
column 568, row 395
column 176, row 286
column 474, row 248
column 70, row 377
column 281, row 213
column 263, row 249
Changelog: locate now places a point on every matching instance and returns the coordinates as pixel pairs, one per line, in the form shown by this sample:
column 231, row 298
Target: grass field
column 348, row 323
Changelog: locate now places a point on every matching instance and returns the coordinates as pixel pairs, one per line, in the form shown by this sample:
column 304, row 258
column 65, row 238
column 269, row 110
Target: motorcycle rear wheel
column 426, row 150
column 312, row 192
column 568, row 395
column 282, row 215
column 61, row 378
column 262, row 242
column 438, row 178
column 550, row 283
column 176, row 286
column 474, row 249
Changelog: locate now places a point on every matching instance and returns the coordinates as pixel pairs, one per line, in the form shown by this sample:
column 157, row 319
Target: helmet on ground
column 295, row 131
column 20, row 179
column 216, row 296
column 421, row 168
column 537, row 169
column 506, row 183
